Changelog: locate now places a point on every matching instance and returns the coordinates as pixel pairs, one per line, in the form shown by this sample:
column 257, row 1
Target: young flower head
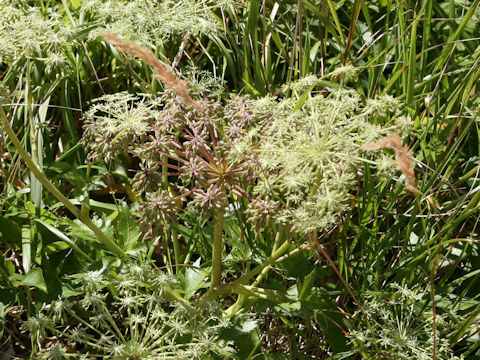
column 114, row 122
column 401, row 326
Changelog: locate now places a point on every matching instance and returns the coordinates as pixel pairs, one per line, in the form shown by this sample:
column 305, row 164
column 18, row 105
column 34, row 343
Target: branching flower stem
column 230, row 288
column 243, row 297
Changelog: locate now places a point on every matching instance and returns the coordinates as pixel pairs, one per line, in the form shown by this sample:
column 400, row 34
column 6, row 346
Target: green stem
column 109, row 243
column 243, row 297
column 225, row 289
column 85, row 208
column 173, row 230
column 217, row 248
column 467, row 176
column 176, row 246
column 69, row 14
column 167, row 258
column 39, row 174
column 257, row 270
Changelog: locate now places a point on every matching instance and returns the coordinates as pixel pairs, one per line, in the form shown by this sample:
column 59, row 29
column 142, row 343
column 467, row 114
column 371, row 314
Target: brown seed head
column 168, row 79
column 404, row 155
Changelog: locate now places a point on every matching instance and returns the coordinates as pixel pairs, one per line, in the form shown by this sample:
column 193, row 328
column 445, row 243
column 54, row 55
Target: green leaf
column 10, row 266
column 76, row 3
column 193, row 279
column 56, row 246
column 61, row 245
column 66, row 171
column 306, row 284
column 45, row 215
column 127, row 231
column 68, row 291
column 3, row 311
column 331, row 321
column 7, row 269
column 10, row 233
column 34, row 278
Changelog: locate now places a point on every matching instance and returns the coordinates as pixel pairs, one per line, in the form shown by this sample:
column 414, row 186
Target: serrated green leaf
column 126, row 230
column 193, row 279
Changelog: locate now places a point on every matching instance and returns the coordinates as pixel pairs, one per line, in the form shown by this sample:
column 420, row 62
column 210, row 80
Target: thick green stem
column 217, row 248
column 109, row 243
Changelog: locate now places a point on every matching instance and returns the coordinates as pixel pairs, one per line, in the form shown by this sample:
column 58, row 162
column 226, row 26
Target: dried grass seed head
column 404, row 156
column 166, row 76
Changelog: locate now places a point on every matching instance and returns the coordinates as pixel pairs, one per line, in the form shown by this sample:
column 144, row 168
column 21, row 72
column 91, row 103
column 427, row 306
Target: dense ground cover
column 239, row 179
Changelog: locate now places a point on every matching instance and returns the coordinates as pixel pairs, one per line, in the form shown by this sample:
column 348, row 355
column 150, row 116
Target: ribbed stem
column 217, row 248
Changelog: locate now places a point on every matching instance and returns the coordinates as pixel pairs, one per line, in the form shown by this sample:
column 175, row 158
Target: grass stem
column 42, row 178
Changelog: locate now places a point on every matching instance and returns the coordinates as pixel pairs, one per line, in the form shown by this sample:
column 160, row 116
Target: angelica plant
column 309, row 156
column 171, row 140
column 294, row 159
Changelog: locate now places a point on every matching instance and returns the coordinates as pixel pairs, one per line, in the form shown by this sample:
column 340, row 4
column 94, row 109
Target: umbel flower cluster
column 130, row 322
column 25, row 31
column 401, row 327
column 294, row 159
column 309, row 157
column 144, row 21
column 184, row 152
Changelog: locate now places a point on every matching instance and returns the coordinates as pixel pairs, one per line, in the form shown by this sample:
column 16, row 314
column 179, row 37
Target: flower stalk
column 217, row 248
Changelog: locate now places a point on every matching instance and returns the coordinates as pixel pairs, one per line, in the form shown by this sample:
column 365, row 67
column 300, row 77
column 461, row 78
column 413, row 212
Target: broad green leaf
column 10, row 233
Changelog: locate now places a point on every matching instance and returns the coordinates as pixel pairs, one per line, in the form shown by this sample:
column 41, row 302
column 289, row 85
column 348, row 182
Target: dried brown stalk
column 404, row 155
column 168, row 79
